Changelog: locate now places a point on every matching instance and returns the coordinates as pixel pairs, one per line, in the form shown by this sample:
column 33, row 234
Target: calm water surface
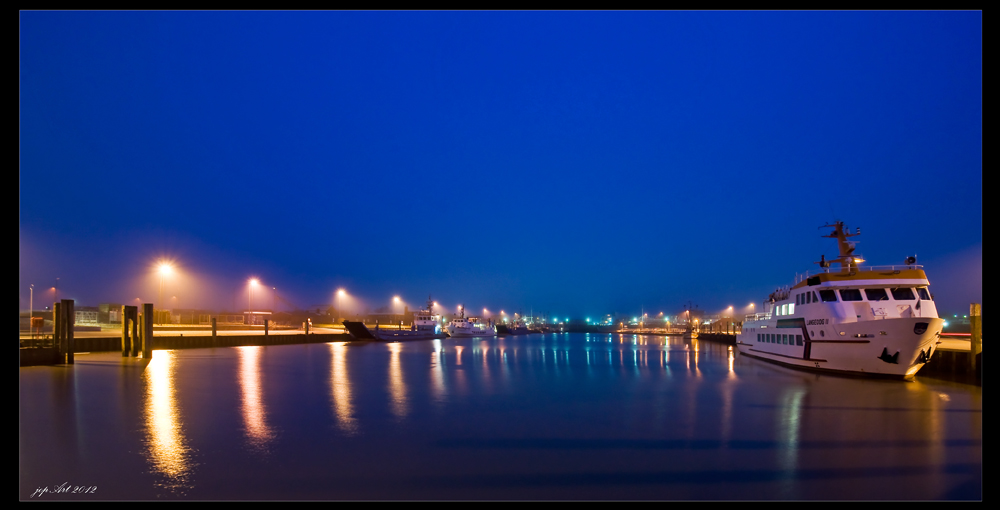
column 559, row 416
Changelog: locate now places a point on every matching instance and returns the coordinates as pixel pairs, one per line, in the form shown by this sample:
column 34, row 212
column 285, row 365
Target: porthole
column 822, row 333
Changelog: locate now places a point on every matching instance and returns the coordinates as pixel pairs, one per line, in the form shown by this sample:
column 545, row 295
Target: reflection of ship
column 470, row 326
column 872, row 320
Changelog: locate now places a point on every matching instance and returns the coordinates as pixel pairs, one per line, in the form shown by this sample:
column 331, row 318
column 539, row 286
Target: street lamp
column 164, row 270
column 253, row 283
column 341, row 294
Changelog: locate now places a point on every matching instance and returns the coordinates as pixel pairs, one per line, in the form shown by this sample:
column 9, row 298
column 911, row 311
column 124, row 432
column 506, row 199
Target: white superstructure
column 870, row 320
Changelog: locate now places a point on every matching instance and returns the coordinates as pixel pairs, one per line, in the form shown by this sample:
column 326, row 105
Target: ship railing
column 885, row 269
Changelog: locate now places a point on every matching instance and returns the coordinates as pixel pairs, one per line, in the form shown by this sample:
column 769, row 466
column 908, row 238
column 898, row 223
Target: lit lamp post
column 253, row 283
column 341, row 293
column 164, row 270
column 395, row 305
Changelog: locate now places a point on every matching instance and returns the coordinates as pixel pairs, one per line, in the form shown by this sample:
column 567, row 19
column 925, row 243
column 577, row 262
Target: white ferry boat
column 865, row 320
column 470, row 326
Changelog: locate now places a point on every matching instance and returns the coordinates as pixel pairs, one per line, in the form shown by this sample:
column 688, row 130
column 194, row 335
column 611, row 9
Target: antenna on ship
column 847, row 260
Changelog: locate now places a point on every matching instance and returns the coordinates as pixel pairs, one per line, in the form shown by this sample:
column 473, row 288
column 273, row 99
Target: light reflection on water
column 258, row 433
column 397, row 387
column 166, row 444
column 340, row 388
column 539, row 416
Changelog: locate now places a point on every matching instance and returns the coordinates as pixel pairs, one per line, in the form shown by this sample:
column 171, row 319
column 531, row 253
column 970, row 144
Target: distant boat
column 463, row 326
column 515, row 327
column 874, row 320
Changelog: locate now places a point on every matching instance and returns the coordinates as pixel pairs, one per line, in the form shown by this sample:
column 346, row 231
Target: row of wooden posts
column 137, row 330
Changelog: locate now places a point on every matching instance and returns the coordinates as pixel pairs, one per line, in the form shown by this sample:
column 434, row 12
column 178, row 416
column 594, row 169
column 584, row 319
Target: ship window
column 797, row 296
column 850, row 294
column 791, row 309
column 798, row 339
column 808, row 297
column 876, row 294
column 902, row 293
column 922, row 291
column 784, row 339
column 815, row 298
column 828, row 296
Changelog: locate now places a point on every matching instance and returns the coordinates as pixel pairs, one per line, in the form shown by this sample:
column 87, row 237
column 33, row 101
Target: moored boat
column 425, row 326
column 877, row 320
column 463, row 326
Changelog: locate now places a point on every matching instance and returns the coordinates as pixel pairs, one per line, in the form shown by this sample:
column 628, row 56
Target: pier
column 42, row 351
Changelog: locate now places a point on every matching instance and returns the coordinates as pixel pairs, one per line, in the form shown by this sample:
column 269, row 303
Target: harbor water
column 554, row 416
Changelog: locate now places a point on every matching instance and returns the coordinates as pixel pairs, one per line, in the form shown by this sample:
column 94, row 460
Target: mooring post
column 136, row 331
column 975, row 334
column 214, row 319
column 125, row 317
column 57, row 329
column 147, row 332
column 70, row 322
column 266, row 321
column 130, row 321
column 307, row 326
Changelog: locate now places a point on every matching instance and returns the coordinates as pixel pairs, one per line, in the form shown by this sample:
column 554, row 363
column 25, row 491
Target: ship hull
column 470, row 330
column 462, row 333
column 891, row 347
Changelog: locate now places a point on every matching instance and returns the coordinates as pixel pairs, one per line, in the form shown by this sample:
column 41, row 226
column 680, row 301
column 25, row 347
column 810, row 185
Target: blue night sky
column 570, row 163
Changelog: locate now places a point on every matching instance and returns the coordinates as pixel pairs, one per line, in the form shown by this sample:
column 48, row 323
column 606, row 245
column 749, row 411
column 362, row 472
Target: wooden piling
column 136, row 331
column 266, row 321
column 125, row 346
column 70, row 319
column 130, row 324
column 147, row 331
column 57, row 328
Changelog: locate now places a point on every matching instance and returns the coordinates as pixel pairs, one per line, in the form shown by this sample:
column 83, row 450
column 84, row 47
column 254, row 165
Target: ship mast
column 848, row 260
